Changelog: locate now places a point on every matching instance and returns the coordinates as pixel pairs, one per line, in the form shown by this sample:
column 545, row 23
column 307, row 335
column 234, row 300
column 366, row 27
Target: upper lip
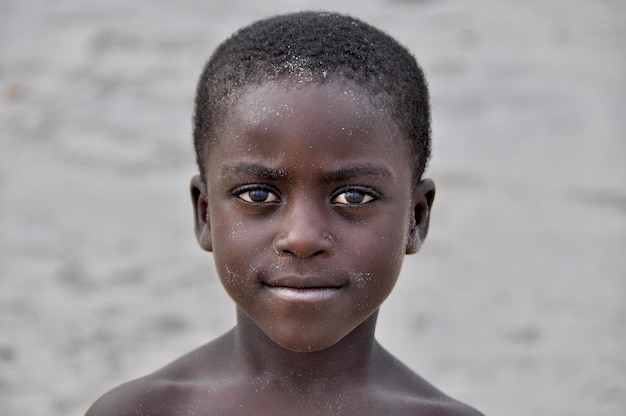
column 302, row 282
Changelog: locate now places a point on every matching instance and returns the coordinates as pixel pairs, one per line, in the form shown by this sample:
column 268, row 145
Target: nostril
column 296, row 253
column 280, row 251
column 303, row 243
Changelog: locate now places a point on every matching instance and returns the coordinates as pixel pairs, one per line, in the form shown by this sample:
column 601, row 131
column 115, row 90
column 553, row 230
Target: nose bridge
column 303, row 230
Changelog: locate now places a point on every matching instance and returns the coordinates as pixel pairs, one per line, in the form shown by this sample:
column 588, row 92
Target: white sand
column 516, row 302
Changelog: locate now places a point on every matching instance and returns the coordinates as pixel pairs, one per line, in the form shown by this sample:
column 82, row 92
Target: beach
column 514, row 305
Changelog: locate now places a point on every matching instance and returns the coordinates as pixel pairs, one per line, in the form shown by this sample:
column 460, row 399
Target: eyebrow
column 258, row 170
column 359, row 171
column 345, row 173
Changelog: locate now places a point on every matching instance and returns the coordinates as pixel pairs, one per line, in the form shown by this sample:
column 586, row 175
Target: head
column 316, row 47
column 312, row 133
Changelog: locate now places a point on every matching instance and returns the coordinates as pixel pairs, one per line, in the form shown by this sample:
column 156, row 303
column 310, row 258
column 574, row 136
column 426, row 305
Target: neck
column 349, row 359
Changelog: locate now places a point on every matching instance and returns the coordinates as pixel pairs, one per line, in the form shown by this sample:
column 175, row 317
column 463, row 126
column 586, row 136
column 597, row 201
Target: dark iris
column 259, row 195
column 354, row 197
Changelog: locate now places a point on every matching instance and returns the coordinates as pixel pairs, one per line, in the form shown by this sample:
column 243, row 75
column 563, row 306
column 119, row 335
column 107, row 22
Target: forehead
column 340, row 101
column 315, row 122
column 288, row 97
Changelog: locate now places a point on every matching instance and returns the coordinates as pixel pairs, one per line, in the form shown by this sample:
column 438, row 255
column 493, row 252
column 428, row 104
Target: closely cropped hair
column 316, row 47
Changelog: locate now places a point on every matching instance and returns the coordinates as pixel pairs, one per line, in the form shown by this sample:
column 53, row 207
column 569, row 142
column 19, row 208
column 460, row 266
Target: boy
column 312, row 131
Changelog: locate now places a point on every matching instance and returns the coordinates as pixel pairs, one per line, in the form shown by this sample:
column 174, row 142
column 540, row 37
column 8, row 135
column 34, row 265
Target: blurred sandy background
column 516, row 302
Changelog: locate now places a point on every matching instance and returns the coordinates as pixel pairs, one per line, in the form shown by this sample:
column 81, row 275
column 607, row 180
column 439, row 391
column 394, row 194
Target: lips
column 302, row 282
column 295, row 289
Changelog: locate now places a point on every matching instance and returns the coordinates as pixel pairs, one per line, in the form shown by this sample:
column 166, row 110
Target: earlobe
column 423, row 198
column 199, row 199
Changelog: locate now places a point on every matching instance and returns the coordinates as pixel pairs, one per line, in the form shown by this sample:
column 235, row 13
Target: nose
column 303, row 231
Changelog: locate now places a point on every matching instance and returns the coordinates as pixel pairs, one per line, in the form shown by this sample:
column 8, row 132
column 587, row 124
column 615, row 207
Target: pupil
column 259, row 195
column 354, row 197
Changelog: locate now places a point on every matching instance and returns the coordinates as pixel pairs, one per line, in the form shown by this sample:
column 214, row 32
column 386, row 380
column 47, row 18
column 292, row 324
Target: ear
column 423, row 197
column 200, row 202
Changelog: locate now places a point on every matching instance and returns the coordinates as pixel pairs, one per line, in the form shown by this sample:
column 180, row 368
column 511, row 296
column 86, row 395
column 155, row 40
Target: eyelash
column 368, row 194
column 244, row 194
column 241, row 191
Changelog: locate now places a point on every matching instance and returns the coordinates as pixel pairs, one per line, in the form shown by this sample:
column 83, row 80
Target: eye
column 257, row 195
column 353, row 197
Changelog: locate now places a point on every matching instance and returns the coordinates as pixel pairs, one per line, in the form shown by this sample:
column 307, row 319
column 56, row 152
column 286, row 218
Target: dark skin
column 309, row 206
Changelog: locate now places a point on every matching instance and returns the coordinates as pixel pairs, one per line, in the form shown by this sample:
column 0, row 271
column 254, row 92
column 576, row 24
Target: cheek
column 389, row 238
column 242, row 250
column 233, row 256
column 237, row 278
column 392, row 243
column 378, row 256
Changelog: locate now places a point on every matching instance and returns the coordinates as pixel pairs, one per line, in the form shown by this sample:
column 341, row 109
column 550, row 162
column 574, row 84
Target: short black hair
column 316, row 46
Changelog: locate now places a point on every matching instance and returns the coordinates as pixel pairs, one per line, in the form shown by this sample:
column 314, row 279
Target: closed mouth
column 303, row 294
column 302, row 289
column 301, row 282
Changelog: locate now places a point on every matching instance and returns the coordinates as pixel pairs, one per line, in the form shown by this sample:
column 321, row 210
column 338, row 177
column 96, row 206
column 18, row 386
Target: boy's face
column 309, row 209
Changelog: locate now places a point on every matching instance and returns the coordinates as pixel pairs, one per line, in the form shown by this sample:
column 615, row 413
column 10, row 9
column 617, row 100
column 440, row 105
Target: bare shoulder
column 425, row 400
column 128, row 398
column 405, row 389
column 449, row 407
column 165, row 391
column 421, row 398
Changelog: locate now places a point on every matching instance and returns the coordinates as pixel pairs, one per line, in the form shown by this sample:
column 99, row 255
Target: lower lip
column 306, row 295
